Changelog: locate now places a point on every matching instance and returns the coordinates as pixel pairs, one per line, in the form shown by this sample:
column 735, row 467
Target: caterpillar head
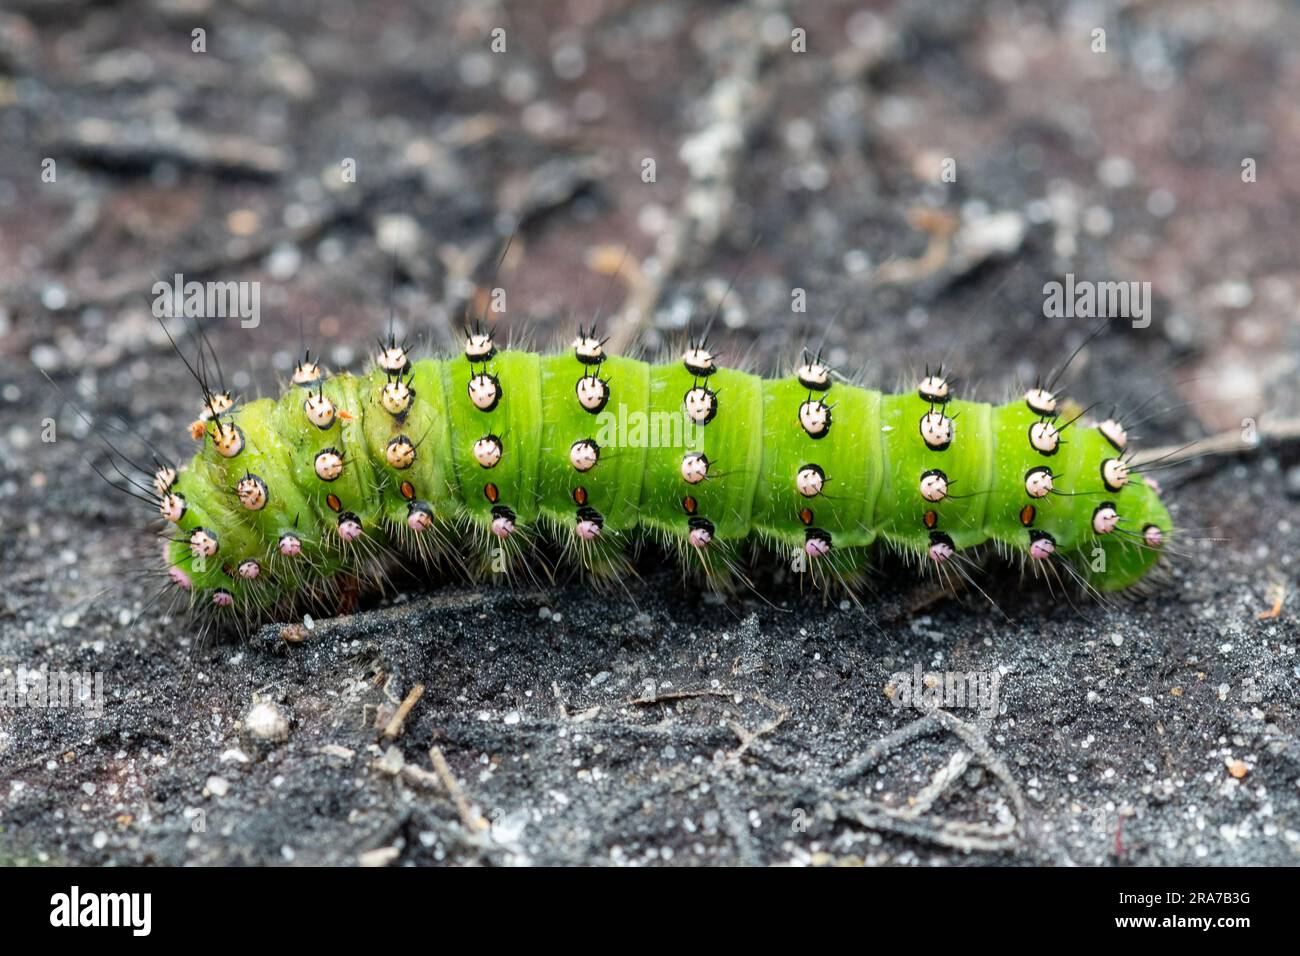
column 1126, row 531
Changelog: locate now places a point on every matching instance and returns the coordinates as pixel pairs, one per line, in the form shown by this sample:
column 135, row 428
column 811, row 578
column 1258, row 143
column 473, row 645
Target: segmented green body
column 409, row 466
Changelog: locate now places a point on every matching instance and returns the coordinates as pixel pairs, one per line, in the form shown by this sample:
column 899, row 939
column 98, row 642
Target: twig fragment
column 394, row 728
column 473, row 821
column 1283, row 432
column 748, row 738
column 1278, row 591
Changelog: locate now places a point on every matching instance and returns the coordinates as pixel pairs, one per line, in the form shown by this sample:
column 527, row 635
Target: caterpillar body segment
column 828, row 483
column 409, row 409
column 343, row 472
column 965, row 462
column 1129, row 557
column 734, row 451
column 499, row 399
column 582, row 460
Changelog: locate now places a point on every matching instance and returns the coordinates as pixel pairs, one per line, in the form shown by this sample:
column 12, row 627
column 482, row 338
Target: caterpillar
column 492, row 451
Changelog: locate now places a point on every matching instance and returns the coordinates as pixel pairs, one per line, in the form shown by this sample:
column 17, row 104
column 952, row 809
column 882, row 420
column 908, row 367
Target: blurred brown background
column 226, row 164
column 795, row 146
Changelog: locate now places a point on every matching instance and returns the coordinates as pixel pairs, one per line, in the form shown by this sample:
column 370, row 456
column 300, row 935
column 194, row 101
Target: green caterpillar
column 597, row 451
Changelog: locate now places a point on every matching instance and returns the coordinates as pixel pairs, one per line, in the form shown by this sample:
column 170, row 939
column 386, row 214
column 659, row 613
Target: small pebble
column 265, row 722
